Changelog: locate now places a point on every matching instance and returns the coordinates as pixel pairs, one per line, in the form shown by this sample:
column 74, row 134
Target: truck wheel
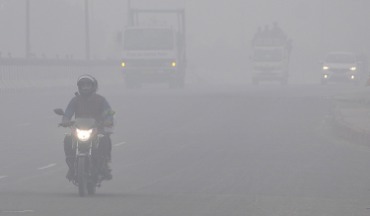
column 91, row 188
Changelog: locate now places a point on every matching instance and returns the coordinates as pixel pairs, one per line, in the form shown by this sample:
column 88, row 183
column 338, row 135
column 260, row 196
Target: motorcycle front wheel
column 81, row 176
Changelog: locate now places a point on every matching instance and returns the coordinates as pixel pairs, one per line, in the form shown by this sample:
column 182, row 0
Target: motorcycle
column 87, row 165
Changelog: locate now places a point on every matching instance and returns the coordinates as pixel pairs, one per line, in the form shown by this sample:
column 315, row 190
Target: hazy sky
column 219, row 32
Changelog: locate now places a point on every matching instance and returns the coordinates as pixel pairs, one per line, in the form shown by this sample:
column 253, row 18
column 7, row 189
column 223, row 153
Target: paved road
column 211, row 151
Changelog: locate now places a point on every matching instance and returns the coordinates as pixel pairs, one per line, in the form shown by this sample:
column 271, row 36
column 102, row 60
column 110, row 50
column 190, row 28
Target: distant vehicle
column 154, row 53
column 270, row 60
column 341, row 67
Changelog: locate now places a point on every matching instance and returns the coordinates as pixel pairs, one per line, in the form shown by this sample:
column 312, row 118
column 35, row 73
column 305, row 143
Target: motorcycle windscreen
column 85, row 123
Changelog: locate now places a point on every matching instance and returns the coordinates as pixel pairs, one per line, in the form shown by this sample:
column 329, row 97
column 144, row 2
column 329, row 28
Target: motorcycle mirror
column 59, row 111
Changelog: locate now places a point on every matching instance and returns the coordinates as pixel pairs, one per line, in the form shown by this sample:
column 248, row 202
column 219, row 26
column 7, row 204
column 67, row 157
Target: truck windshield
column 268, row 55
column 148, row 39
column 341, row 58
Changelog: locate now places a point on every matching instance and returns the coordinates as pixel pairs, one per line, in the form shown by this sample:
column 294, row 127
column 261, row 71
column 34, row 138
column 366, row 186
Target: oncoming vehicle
column 340, row 67
column 154, row 53
column 270, row 62
column 271, row 50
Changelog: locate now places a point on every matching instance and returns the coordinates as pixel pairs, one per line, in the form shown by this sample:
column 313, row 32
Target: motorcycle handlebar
column 66, row 124
column 71, row 123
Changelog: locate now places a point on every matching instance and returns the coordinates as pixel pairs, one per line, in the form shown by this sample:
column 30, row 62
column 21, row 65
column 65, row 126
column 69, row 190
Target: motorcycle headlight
column 84, row 135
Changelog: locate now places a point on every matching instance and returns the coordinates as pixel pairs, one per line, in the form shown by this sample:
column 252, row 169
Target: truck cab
column 153, row 53
column 270, row 61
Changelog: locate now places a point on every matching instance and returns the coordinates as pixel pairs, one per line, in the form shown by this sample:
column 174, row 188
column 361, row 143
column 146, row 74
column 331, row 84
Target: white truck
column 155, row 52
column 270, row 60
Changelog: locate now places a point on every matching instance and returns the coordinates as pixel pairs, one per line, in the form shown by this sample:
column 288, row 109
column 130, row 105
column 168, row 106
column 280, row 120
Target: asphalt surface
column 211, row 151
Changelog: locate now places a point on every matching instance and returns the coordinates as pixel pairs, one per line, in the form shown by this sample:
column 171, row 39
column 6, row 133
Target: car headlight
column 123, row 64
column 353, row 68
column 84, row 135
column 326, row 76
column 325, row 68
column 173, row 64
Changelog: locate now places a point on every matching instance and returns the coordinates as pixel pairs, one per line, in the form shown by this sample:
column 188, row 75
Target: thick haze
column 217, row 143
column 218, row 32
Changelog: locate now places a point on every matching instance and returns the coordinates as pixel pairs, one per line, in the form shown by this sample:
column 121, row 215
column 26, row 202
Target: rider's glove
column 108, row 123
column 65, row 124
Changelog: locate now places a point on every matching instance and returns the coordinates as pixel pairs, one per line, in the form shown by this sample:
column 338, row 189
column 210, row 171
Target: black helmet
column 87, row 85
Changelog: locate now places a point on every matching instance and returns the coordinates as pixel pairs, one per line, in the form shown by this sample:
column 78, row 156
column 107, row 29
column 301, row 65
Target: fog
column 218, row 33
column 251, row 127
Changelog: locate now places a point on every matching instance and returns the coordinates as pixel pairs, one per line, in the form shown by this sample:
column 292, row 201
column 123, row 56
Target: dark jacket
column 94, row 106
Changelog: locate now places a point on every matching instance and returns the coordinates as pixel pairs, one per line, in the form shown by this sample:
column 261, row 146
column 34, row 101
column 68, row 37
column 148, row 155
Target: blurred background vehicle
column 341, row 67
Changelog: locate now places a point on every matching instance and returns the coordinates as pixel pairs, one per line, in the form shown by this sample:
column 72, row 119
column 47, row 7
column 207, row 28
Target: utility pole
column 28, row 41
column 129, row 12
column 87, row 30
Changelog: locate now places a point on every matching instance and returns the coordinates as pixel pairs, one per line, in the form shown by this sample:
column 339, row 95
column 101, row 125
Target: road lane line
column 18, row 211
column 47, row 166
column 119, row 144
column 2, row 177
column 39, row 175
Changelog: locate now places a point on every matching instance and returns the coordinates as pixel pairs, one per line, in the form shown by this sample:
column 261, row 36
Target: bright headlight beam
column 84, row 135
column 325, row 68
column 353, row 68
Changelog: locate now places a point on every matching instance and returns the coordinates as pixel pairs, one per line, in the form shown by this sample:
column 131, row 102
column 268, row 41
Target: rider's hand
column 65, row 124
column 62, row 125
column 108, row 123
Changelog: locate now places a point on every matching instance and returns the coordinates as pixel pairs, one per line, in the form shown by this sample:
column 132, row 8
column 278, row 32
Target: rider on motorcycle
column 88, row 104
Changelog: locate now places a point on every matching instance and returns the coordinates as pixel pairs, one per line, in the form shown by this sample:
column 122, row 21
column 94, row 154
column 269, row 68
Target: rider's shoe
column 69, row 175
column 107, row 172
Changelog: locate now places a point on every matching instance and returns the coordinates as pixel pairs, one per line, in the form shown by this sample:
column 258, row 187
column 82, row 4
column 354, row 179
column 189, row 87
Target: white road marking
column 19, row 211
column 2, row 177
column 39, row 175
column 47, row 166
column 119, row 144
